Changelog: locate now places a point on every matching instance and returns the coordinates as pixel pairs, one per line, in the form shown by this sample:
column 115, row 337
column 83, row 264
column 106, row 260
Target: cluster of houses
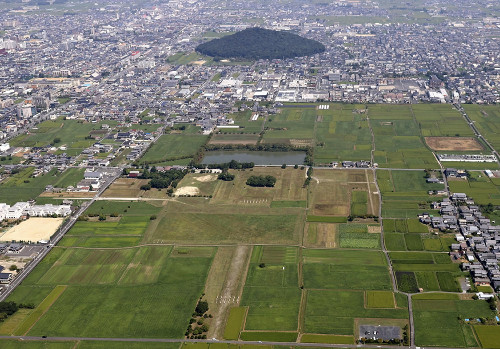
column 24, row 209
column 91, row 181
column 353, row 164
column 478, row 239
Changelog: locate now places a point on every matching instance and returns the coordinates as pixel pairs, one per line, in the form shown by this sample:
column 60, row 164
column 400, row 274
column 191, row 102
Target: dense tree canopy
column 259, row 43
column 261, row 181
column 162, row 179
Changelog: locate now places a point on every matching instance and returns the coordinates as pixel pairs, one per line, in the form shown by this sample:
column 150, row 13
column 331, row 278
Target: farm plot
column 321, row 235
column 23, row 187
column 379, row 299
column 235, row 321
column 436, row 120
column 405, row 193
column 437, row 321
column 290, row 124
column 345, row 269
column 173, row 147
column 248, row 129
column 487, row 119
column 122, row 208
column 71, row 176
column 482, row 190
column 234, row 138
column 272, row 308
column 397, row 138
column 347, row 306
column 69, row 133
column 343, row 193
column 108, row 283
column 488, row 336
column 342, row 134
column 357, row 236
column 429, row 271
column 185, row 224
column 401, row 205
column 125, row 188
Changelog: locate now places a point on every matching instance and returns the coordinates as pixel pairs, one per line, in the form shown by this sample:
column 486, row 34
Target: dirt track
column 231, row 292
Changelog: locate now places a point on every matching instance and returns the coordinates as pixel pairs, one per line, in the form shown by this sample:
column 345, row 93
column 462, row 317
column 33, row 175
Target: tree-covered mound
column 258, row 43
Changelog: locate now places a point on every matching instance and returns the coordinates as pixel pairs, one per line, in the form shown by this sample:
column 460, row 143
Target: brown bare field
column 453, row 143
column 125, row 188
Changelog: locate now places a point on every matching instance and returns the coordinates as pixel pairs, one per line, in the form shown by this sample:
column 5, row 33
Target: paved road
column 171, row 340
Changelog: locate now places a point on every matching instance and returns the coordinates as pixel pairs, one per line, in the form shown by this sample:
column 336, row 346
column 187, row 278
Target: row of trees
column 233, row 165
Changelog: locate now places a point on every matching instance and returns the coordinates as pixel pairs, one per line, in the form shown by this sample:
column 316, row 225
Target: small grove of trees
column 261, row 181
column 226, row 176
column 198, row 327
column 9, row 308
column 162, row 180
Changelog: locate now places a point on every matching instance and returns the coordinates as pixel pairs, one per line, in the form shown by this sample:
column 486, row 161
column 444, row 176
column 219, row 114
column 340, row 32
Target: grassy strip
column 326, row 338
column 40, row 310
column 323, row 219
column 235, row 322
column 488, row 336
column 286, row 203
column 269, row 336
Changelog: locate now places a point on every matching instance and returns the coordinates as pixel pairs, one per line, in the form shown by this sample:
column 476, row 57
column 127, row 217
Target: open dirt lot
column 33, row 229
column 207, row 178
column 453, row 143
column 187, row 191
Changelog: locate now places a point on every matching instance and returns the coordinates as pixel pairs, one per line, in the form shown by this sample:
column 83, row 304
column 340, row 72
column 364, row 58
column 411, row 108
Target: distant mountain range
column 258, row 43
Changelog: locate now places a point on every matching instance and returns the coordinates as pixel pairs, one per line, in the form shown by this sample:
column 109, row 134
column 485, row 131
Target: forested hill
column 259, row 43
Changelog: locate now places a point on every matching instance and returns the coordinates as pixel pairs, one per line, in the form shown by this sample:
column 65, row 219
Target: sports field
column 33, row 229
column 453, row 143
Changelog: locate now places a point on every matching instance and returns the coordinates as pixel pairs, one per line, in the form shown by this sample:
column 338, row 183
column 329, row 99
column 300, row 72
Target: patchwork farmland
column 316, row 258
